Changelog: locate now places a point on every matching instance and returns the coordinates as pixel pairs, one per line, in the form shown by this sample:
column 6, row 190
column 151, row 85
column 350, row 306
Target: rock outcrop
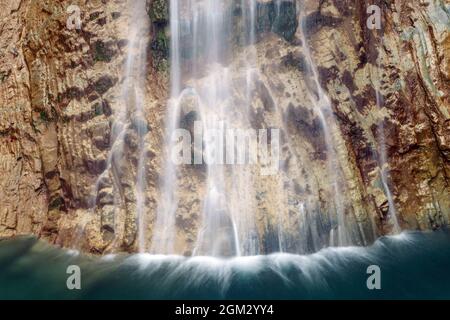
column 60, row 89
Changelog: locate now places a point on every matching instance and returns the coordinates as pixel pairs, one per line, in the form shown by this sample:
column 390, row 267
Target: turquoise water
column 413, row 265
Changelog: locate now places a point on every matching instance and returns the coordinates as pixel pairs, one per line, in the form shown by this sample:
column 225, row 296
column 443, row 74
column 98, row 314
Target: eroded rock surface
column 59, row 94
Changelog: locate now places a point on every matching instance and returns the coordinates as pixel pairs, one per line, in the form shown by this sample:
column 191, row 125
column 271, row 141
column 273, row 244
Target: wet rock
column 158, row 11
column 57, row 105
column 102, row 51
column 101, row 135
column 103, row 84
column 284, row 19
column 295, row 60
column 140, row 125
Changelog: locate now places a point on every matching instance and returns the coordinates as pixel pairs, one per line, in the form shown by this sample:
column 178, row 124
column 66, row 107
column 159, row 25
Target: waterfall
column 383, row 163
column 134, row 98
column 382, row 157
column 203, row 39
column 218, row 233
column 202, row 30
column 339, row 236
column 129, row 116
column 164, row 230
column 206, row 38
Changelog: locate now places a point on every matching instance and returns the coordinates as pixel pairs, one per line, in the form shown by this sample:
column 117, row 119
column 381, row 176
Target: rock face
column 59, row 95
column 59, row 92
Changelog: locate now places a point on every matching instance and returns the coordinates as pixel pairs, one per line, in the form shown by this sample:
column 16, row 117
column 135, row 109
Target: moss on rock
column 159, row 11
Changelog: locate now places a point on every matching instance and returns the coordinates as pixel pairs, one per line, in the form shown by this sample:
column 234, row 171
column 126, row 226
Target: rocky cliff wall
column 60, row 88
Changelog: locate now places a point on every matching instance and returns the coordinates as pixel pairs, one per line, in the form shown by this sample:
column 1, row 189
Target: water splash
column 330, row 273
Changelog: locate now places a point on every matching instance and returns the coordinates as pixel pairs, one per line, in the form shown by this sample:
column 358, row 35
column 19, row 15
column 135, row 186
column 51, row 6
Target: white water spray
column 322, row 106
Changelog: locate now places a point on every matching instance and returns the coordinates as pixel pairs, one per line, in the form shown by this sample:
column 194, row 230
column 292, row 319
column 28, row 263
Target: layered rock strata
column 388, row 91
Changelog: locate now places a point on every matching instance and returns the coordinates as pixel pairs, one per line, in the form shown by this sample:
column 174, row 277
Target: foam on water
column 413, row 265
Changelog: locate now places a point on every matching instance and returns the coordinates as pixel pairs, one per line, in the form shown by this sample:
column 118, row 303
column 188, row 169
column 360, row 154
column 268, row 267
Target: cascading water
column 220, row 78
column 130, row 115
column 322, row 106
column 382, row 157
column 228, row 227
column 202, row 42
column 206, row 37
column 164, row 231
column 384, row 171
column 218, row 234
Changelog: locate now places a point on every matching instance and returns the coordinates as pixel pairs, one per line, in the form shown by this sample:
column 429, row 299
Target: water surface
column 413, row 265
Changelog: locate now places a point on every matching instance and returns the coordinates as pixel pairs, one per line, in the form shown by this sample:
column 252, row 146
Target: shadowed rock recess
column 82, row 161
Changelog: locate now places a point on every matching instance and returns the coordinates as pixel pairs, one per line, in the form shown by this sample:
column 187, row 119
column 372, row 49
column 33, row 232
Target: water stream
column 228, row 260
column 206, row 36
column 322, row 105
column 129, row 115
column 382, row 158
column 202, row 30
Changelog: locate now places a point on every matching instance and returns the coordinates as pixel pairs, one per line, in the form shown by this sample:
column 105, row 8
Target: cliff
column 388, row 91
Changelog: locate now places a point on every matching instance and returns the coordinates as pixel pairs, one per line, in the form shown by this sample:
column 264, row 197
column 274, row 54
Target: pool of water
column 412, row 265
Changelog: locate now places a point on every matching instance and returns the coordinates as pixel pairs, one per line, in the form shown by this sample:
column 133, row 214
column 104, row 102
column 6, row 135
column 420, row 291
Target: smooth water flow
column 339, row 235
column 129, row 115
column 382, row 158
column 414, row 266
column 164, row 230
column 201, row 46
column 203, row 83
column 215, row 76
